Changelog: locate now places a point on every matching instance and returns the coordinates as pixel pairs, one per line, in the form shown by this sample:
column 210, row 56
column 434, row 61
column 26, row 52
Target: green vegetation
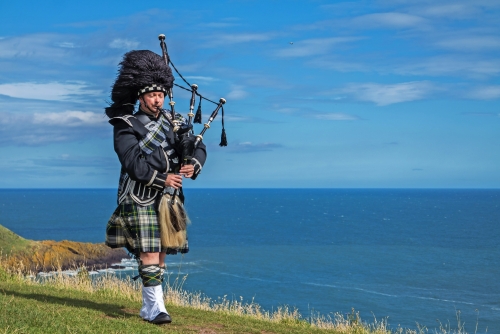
column 45, row 309
column 107, row 304
column 12, row 243
column 63, row 304
column 51, row 255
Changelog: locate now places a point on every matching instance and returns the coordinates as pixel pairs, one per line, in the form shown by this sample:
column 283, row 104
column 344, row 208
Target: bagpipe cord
column 197, row 118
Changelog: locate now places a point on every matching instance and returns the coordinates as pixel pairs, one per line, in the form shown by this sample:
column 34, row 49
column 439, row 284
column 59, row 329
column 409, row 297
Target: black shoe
column 162, row 318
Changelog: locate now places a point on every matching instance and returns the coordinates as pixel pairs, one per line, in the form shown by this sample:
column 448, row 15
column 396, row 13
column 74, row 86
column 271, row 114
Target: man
column 150, row 220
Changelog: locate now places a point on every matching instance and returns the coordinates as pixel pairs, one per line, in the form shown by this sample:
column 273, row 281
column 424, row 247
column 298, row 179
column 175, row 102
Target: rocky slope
column 49, row 255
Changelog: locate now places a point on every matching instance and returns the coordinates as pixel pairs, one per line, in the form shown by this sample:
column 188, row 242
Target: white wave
column 130, row 263
column 350, row 288
column 237, row 276
column 126, row 263
column 71, row 273
column 441, row 300
column 249, row 278
column 391, row 295
column 189, row 263
column 175, row 273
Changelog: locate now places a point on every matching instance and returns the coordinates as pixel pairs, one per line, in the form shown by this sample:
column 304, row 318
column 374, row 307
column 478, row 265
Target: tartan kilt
column 136, row 228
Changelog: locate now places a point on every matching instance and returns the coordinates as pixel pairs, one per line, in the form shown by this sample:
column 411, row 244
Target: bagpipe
column 185, row 131
column 172, row 216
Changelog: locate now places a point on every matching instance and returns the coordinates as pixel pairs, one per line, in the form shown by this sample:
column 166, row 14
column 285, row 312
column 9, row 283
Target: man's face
column 152, row 101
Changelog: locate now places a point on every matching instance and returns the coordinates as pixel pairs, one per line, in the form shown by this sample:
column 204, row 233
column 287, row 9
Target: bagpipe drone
column 185, row 132
column 194, row 93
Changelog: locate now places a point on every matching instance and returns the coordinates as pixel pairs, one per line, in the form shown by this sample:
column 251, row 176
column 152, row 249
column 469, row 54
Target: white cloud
column 286, row 110
column 68, row 45
column 246, row 119
column 480, row 114
column 219, row 25
column 122, row 43
column 470, row 43
column 70, row 118
column 453, row 10
column 472, row 65
column 237, row 93
column 337, row 117
column 37, row 46
column 385, row 94
column 52, row 91
column 311, row 47
column 223, row 39
column 249, row 147
column 200, row 78
column 340, row 65
column 485, row 93
column 264, row 80
column 237, row 118
column 45, row 128
column 450, row 65
column 9, row 119
column 389, row 20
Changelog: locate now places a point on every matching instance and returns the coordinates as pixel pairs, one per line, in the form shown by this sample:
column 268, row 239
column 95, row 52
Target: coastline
column 48, row 255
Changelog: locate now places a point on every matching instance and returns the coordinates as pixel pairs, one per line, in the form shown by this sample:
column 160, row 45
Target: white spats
column 152, row 302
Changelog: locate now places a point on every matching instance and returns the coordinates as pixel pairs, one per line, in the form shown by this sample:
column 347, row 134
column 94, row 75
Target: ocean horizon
column 408, row 255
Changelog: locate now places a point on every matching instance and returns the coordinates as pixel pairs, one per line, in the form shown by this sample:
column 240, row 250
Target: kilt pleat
column 136, row 228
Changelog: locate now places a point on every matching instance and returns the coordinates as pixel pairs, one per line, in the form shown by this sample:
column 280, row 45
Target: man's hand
column 174, row 181
column 187, row 170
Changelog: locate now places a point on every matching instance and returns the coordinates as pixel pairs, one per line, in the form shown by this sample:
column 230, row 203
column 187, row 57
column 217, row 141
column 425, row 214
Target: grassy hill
column 107, row 304
column 49, row 255
column 11, row 242
column 63, row 304
column 40, row 309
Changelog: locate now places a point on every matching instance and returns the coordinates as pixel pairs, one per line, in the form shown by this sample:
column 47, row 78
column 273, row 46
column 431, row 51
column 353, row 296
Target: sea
column 414, row 257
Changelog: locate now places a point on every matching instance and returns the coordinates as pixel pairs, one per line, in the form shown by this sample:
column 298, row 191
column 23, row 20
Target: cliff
column 49, row 255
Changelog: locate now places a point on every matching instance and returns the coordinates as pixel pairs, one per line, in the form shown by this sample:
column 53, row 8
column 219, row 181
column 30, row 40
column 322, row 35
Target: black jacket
column 149, row 169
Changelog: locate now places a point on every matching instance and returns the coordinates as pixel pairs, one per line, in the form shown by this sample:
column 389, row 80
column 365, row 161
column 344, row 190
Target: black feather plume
column 138, row 69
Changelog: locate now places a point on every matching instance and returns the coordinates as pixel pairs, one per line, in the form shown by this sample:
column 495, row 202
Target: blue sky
column 361, row 94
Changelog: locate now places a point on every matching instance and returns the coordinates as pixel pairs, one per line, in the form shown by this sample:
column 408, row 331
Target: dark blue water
column 414, row 256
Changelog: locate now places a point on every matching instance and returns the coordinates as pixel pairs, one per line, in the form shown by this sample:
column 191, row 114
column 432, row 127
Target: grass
column 13, row 243
column 47, row 254
column 81, row 304
column 63, row 304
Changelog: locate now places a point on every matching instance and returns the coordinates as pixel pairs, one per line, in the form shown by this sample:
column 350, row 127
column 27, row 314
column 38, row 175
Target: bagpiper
column 150, row 220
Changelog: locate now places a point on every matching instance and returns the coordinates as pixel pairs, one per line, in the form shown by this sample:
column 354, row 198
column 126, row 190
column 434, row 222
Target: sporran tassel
column 197, row 117
column 173, row 223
